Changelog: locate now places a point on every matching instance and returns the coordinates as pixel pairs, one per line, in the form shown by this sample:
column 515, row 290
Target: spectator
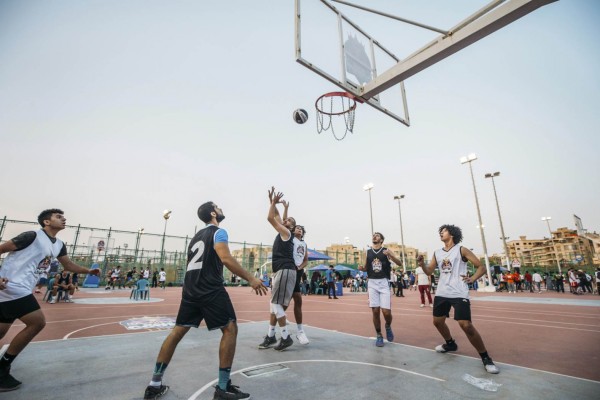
column 559, row 278
column 43, row 270
column 597, row 280
column 63, row 282
column 573, row 281
column 330, row 276
column 155, row 279
column 517, row 279
column 528, row 281
column 423, row 283
column 537, row 281
column 510, row 282
column 162, row 278
column 585, row 280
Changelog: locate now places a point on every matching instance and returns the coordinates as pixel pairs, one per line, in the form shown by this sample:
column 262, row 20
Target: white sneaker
column 301, row 336
column 53, row 300
column 422, row 305
column 490, row 366
column 431, row 305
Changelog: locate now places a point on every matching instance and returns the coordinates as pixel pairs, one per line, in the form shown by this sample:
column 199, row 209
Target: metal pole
column 371, row 210
column 75, row 243
column 553, row 245
column 485, row 255
column 501, row 225
column 401, row 234
column 2, row 228
column 162, row 247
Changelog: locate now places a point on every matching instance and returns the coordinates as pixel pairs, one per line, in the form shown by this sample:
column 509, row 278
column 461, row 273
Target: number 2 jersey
column 204, row 274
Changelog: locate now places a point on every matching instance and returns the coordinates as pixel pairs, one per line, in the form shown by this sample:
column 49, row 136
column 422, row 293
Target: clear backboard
column 338, row 49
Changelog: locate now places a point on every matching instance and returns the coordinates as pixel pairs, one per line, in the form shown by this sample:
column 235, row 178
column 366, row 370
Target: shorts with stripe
column 379, row 293
column 283, row 286
column 215, row 309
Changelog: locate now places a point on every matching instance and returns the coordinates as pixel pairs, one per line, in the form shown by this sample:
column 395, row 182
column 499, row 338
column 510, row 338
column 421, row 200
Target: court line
column 210, row 384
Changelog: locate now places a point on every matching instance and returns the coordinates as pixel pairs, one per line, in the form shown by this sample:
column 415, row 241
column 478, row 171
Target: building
column 565, row 245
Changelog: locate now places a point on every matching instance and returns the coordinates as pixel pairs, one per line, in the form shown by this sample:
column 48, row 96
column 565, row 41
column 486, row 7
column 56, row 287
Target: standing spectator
column 528, row 281
column 146, row 273
column 155, row 279
column 517, row 279
column 162, row 278
column 559, row 278
column 510, row 282
column 537, row 281
column 330, row 274
column 573, row 280
column 412, row 279
column 597, row 280
column 423, row 282
column 586, row 281
column 399, row 284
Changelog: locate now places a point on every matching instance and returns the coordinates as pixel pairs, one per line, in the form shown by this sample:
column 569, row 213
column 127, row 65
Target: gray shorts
column 283, row 286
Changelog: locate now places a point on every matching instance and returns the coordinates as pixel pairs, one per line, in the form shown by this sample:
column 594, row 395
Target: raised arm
column 274, row 218
column 391, row 256
column 231, row 263
column 427, row 269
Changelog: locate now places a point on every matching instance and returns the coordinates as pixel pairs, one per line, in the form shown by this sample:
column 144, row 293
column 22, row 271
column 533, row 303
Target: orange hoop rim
column 338, row 94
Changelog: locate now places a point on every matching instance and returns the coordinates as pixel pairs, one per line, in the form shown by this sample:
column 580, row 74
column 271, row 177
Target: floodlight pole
column 469, row 159
column 547, row 219
column 166, row 216
column 401, row 232
column 493, row 175
column 368, row 187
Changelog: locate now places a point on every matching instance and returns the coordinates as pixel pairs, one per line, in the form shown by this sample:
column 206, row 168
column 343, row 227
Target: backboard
column 338, row 49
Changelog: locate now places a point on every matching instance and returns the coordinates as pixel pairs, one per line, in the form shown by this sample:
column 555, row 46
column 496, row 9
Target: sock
column 284, row 332
column 271, row 332
column 387, row 326
column 450, row 341
column 224, row 377
column 159, row 370
column 484, row 355
column 378, row 330
column 300, row 328
column 6, row 360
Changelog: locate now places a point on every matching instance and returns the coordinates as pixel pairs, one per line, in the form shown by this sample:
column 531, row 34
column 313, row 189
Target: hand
column 258, row 286
column 388, row 252
column 277, row 198
column 467, row 279
column 95, row 271
column 3, row 282
column 271, row 194
column 286, row 204
column 420, row 259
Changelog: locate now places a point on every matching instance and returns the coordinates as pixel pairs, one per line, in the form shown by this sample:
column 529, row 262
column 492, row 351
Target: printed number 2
column 194, row 263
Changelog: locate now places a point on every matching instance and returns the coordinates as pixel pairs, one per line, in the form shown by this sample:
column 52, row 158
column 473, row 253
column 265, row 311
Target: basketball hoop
column 340, row 104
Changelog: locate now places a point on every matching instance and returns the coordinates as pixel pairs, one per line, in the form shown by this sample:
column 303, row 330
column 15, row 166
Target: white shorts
column 379, row 293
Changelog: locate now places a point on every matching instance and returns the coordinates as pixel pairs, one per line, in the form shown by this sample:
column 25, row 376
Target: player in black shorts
column 205, row 298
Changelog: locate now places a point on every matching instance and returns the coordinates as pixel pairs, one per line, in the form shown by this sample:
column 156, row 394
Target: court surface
column 543, row 350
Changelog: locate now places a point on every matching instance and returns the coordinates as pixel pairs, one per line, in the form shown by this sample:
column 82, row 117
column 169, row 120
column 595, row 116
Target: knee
column 438, row 322
column 467, row 327
column 231, row 329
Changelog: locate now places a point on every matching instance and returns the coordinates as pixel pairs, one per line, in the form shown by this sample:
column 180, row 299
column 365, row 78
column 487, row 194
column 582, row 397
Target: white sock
column 284, row 332
column 155, row 384
column 300, row 328
column 271, row 332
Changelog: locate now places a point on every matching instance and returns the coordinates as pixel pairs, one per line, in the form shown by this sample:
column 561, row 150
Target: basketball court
column 104, row 346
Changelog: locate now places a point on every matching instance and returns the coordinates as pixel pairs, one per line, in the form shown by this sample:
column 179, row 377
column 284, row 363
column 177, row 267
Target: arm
column 468, row 254
column 7, row 247
column 274, row 218
column 391, row 256
column 305, row 261
column 231, row 263
column 286, row 205
column 71, row 266
column 427, row 269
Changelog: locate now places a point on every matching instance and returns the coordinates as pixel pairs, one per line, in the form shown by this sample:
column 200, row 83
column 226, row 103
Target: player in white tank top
column 453, row 292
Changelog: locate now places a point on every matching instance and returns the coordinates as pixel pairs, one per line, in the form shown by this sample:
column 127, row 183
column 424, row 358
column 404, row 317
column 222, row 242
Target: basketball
column 300, row 116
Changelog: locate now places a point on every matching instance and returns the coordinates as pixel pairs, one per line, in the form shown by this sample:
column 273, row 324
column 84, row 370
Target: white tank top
column 299, row 251
column 451, row 266
column 21, row 267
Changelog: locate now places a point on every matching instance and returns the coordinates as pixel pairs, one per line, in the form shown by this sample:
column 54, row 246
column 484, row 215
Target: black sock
column 378, row 330
column 450, row 341
column 484, row 355
column 6, row 360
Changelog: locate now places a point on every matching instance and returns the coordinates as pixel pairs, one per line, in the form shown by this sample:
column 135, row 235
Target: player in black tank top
column 205, row 298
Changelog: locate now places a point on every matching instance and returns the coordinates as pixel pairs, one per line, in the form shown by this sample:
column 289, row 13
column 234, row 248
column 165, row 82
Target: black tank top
column 378, row 265
column 283, row 254
column 204, row 275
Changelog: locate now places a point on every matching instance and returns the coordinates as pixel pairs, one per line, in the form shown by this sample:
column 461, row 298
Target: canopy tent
column 341, row 267
column 314, row 255
column 320, row 267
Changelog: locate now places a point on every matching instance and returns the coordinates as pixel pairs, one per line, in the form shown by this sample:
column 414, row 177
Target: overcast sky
column 117, row 110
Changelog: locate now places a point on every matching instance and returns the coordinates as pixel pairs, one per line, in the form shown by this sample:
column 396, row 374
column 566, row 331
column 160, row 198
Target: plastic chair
column 142, row 289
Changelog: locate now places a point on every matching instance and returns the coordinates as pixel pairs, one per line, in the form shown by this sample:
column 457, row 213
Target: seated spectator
column 62, row 282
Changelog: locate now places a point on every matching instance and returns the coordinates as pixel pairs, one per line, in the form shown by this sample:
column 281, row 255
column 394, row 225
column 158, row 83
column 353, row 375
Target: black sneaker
column 284, row 344
column 7, row 381
column 268, row 342
column 444, row 348
column 154, row 392
column 232, row 392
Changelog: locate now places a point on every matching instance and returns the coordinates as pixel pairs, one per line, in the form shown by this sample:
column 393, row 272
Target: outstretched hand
column 258, row 286
column 95, row 271
column 271, row 192
column 420, row 259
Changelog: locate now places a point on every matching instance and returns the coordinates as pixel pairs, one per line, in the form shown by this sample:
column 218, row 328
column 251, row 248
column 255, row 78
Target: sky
column 116, row 110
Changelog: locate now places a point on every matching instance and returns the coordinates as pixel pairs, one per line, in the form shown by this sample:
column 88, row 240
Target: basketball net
column 336, row 104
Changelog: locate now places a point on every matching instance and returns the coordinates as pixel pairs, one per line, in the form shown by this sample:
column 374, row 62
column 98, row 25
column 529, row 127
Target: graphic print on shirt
column 376, row 265
column 446, row 266
column 300, row 251
column 43, row 265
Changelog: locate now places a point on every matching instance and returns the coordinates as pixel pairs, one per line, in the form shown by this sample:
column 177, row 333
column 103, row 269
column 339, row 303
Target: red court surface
column 558, row 338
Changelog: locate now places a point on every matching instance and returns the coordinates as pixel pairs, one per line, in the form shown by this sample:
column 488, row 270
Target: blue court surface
column 334, row 366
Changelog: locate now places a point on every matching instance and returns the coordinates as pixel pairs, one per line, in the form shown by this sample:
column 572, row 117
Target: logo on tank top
column 43, row 265
column 300, row 250
column 446, row 266
column 376, row 265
